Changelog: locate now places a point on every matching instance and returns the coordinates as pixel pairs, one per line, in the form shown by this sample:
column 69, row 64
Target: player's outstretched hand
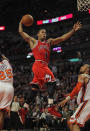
column 62, row 103
column 77, row 26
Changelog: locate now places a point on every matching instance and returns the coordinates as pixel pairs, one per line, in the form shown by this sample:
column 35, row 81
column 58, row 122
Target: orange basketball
column 27, row 20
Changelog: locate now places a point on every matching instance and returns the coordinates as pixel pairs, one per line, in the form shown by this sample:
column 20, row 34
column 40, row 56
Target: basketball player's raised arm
column 64, row 37
column 4, row 57
column 30, row 40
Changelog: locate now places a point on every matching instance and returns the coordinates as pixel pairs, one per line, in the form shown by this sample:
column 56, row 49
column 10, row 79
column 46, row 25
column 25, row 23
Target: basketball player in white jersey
column 6, row 87
column 82, row 113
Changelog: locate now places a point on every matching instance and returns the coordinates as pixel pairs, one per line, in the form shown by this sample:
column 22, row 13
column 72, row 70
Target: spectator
column 14, row 117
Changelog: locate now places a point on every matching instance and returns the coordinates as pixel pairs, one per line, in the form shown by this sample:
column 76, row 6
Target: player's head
column 41, row 34
column 15, row 98
column 85, row 69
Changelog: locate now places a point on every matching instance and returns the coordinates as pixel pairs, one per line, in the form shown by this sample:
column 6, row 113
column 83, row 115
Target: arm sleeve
column 76, row 90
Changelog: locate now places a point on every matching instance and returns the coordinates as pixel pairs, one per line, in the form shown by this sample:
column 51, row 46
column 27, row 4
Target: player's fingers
column 78, row 22
column 80, row 26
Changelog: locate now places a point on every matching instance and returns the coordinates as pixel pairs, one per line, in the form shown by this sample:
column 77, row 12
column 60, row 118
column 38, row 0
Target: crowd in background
column 37, row 115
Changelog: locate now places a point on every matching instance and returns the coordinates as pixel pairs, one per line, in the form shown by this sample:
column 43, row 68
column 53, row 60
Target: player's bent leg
column 31, row 95
column 70, row 125
column 51, row 90
column 73, row 127
column 2, row 114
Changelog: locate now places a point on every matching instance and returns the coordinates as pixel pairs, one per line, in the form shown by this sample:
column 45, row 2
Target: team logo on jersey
column 43, row 47
column 48, row 78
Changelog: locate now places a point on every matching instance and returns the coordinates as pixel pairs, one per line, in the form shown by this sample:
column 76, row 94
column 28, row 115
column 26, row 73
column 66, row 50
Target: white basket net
column 83, row 5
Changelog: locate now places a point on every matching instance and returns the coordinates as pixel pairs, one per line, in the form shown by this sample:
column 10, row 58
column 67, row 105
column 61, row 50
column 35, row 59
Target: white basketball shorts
column 82, row 114
column 6, row 95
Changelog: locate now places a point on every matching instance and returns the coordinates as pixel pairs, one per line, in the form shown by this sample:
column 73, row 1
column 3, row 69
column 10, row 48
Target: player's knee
column 69, row 124
column 34, row 87
column 31, row 95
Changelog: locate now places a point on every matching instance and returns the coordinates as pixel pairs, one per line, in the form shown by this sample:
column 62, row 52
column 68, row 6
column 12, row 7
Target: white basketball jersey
column 6, row 72
column 84, row 93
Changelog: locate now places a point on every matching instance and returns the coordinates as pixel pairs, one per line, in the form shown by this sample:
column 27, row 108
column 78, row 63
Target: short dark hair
column 40, row 30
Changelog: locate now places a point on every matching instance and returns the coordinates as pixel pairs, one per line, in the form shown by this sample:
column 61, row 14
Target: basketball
column 27, row 20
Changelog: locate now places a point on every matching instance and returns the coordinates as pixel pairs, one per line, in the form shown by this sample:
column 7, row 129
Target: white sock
column 50, row 101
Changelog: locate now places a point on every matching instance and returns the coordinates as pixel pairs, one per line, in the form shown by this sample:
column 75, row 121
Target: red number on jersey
column 8, row 73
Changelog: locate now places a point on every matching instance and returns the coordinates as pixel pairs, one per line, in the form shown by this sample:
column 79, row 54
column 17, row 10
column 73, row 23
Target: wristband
column 68, row 98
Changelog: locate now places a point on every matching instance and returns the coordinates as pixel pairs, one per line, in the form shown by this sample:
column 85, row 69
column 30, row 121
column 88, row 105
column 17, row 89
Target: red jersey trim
column 80, row 110
column 42, row 61
column 75, row 122
column 4, row 109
